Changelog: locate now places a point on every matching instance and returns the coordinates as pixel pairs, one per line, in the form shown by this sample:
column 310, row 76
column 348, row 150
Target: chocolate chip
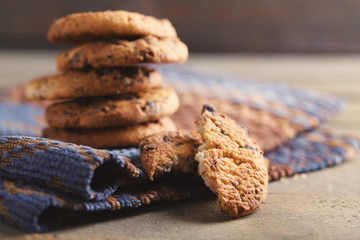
column 196, row 145
column 146, row 55
column 142, row 146
column 75, row 59
column 167, row 138
column 112, row 106
column 247, row 146
column 209, row 108
column 151, row 147
column 86, row 64
column 146, row 73
column 213, row 165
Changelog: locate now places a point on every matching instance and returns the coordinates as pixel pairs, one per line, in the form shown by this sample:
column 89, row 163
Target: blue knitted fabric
column 26, row 201
column 315, row 150
column 21, row 119
column 37, row 209
column 65, row 166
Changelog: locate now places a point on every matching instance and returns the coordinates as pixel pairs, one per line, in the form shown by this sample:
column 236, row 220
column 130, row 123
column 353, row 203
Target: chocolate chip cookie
column 88, row 26
column 114, row 137
column 96, row 82
column 169, row 151
column 231, row 164
column 113, row 111
column 114, row 53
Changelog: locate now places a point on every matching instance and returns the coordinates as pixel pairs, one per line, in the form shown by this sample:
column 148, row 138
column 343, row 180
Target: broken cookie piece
column 169, row 151
column 231, row 164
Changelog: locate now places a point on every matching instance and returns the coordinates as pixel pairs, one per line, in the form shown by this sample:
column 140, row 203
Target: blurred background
column 271, row 26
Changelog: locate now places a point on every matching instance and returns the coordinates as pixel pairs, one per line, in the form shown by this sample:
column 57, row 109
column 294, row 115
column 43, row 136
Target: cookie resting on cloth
column 231, row 164
column 88, row 26
column 117, row 53
column 112, row 111
column 93, row 83
column 169, row 151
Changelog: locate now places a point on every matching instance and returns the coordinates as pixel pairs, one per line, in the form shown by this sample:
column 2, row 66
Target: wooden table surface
column 319, row 205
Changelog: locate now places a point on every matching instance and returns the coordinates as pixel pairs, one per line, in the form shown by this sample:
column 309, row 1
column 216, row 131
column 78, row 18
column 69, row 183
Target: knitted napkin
column 44, row 181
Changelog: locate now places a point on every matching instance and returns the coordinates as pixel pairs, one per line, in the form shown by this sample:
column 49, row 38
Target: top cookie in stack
column 110, row 98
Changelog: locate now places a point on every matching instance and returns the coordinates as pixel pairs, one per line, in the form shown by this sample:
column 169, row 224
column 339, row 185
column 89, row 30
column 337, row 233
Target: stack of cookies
column 105, row 96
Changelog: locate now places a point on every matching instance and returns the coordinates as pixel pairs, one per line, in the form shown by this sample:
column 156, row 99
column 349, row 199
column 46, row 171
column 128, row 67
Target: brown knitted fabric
column 269, row 130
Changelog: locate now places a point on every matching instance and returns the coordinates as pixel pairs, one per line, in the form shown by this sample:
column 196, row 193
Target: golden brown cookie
column 99, row 82
column 88, row 26
column 115, row 137
column 169, row 151
column 120, row 110
column 115, row 53
column 231, row 164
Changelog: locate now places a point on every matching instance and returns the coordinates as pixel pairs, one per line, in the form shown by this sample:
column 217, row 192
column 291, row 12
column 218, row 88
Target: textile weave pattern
column 67, row 167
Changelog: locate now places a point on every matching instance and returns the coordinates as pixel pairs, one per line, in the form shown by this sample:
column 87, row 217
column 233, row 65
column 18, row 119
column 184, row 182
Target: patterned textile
column 37, row 209
column 273, row 112
column 278, row 98
column 67, row 167
column 21, row 119
column 315, row 150
column 43, row 181
column 44, row 176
